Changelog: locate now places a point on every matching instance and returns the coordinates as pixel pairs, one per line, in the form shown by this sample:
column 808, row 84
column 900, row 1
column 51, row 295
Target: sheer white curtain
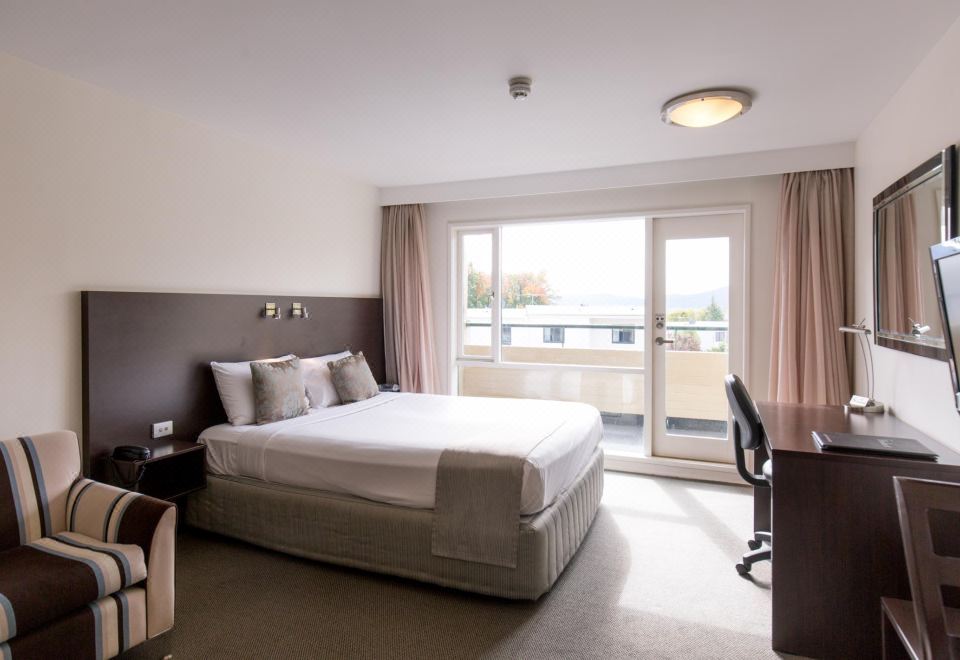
column 405, row 282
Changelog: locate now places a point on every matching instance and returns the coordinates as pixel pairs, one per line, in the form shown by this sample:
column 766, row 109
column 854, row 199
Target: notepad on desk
column 906, row 447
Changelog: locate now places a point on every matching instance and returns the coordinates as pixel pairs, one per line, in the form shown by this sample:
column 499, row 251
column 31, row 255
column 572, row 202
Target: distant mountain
column 680, row 301
column 700, row 300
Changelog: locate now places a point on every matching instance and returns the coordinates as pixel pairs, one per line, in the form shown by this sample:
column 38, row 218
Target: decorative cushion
column 51, row 577
column 235, row 385
column 278, row 390
column 353, row 379
column 319, row 382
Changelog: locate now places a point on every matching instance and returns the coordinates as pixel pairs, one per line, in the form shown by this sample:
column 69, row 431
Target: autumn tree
column 522, row 289
column 519, row 289
column 479, row 288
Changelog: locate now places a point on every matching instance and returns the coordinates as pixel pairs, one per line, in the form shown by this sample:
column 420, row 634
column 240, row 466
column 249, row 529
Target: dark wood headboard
column 146, row 355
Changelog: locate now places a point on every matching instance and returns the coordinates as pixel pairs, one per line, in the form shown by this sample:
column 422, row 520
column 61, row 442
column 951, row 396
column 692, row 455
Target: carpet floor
column 654, row 578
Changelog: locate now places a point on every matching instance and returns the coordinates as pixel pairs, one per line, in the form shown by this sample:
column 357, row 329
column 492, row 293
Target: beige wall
column 920, row 119
column 761, row 193
column 99, row 192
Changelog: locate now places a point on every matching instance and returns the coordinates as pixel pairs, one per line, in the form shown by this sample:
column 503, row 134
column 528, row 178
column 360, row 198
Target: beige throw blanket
column 477, row 514
column 477, row 504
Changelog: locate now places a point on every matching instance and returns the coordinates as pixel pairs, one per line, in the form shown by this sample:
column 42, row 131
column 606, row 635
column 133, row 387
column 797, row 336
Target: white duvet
column 387, row 448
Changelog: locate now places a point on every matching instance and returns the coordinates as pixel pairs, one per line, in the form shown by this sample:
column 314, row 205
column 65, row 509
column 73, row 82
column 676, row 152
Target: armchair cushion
column 115, row 515
column 102, row 629
column 51, row 577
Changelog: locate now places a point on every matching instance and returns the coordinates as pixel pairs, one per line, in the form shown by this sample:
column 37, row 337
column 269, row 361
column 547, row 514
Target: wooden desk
column 836, row 535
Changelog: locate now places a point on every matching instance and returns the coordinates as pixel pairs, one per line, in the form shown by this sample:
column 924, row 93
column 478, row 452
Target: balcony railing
column 704, row 326
column 608, row 377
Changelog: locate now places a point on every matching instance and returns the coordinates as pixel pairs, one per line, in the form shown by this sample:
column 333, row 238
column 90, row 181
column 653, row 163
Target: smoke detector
column 520, row 87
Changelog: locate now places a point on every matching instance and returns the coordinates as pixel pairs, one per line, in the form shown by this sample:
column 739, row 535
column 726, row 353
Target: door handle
column 660, row 341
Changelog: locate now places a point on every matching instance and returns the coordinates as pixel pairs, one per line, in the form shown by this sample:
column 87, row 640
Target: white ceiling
column 409, row 92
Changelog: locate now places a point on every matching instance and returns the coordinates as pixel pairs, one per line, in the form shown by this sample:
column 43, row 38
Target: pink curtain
column 898, row 267
column 407, row 320
column 813, row 288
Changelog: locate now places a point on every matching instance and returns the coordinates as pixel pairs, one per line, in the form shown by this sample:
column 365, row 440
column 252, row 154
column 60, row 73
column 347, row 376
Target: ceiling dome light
column 707, row 108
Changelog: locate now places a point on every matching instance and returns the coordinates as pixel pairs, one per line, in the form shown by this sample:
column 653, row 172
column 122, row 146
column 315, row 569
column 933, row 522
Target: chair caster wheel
column 743, row 569
column 753, row 544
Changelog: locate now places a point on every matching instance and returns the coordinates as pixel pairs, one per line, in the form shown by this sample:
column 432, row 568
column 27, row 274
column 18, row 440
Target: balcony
column 607, row 375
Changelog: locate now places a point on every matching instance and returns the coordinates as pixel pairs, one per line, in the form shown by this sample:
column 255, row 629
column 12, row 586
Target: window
column 553, row 335
column 476, row 294
column 623, row 336
column 536, row 304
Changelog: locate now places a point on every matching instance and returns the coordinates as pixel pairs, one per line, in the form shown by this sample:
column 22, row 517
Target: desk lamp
column 863, row 404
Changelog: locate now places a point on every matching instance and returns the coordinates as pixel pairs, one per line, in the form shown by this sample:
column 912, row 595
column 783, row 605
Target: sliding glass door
column 558, row 309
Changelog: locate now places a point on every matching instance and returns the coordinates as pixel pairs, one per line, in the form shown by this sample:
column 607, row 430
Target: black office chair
column 748, row 435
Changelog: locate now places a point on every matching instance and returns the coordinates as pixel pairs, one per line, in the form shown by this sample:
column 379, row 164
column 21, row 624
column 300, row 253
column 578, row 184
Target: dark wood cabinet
column 836, row 534
column 175, row 468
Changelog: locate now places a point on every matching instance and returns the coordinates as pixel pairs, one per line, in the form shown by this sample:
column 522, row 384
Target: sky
column 603, row 257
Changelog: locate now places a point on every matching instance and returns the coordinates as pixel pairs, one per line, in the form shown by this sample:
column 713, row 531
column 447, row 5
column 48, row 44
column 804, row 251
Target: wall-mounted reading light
column 271, row 311
column 299, row 311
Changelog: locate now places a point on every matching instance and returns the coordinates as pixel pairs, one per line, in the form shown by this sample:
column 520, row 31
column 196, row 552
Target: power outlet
column 161, row 429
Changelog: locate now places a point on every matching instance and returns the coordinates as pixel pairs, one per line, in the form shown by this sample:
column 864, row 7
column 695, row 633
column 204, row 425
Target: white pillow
column 319, row 382
column 235, row 384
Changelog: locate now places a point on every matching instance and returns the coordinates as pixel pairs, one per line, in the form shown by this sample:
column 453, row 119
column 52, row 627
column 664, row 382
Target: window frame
column 455, row 231
column 620, row 342
column 548, row 334
column 459, row 280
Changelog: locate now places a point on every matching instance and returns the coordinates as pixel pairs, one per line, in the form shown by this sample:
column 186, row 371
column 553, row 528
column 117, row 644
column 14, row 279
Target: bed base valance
column 350, row 531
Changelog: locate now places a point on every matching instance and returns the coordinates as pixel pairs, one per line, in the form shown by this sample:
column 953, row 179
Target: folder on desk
column 907, row 447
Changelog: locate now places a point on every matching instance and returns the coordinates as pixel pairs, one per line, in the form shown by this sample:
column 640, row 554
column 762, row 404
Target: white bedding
column 387, row 448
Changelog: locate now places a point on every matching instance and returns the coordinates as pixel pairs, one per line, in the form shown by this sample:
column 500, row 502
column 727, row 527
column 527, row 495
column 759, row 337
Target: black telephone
column 125, row 474
column 131, row 453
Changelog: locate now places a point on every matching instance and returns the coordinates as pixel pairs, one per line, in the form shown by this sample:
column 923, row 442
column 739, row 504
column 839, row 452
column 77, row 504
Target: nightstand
column 175, row 468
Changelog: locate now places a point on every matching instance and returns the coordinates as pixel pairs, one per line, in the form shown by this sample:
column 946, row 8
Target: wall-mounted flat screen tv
column 946, row 270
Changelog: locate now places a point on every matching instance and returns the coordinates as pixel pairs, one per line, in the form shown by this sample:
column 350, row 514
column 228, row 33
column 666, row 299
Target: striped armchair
column 86, row 569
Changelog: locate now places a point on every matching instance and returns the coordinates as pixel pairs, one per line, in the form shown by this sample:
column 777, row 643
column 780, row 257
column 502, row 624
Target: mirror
column 909, row 216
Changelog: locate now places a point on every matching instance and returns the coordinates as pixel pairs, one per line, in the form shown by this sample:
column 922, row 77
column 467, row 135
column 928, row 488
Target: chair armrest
column 116, row 515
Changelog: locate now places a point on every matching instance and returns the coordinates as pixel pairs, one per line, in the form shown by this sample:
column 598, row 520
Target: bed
column 147, row 357
column 357, row 485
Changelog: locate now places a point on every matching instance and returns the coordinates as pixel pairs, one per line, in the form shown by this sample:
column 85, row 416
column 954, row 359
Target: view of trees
column 479, row 288
column 712, row 312
column 689, row 340
column 522, row 289
column 519, row 289
column 684, row 340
